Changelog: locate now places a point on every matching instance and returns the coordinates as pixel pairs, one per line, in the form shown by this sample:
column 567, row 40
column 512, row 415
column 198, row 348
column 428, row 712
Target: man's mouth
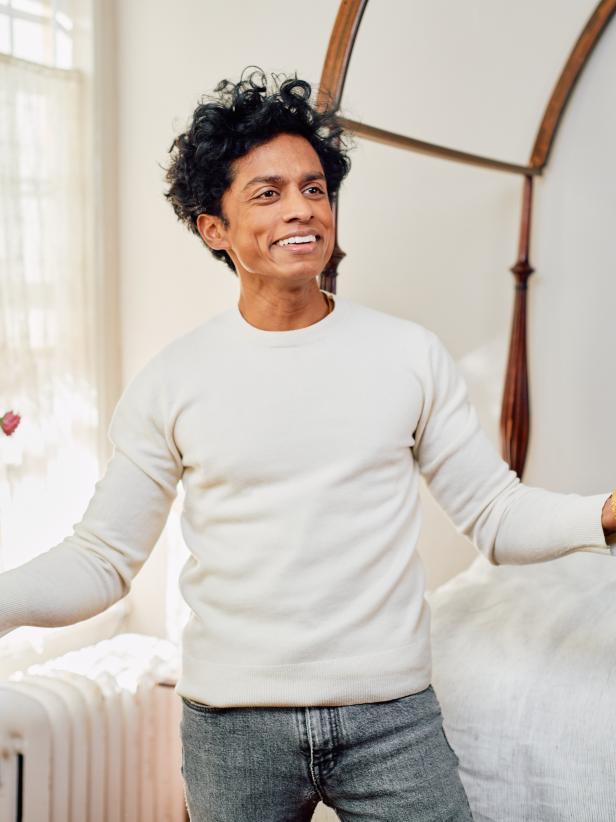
column 297, row 240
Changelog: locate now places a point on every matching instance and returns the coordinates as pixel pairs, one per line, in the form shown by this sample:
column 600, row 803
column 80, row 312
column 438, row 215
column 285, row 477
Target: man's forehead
column 285, row 156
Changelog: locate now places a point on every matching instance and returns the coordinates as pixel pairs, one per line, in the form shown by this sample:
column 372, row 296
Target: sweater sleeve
column 509, row 522
column 94, row 567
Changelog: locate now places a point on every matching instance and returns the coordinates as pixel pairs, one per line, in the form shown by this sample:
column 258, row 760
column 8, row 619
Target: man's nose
column 297, row 206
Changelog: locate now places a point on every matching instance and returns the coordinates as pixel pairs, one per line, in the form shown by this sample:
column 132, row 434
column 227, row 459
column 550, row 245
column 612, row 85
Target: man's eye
column 315, row 190
column 267, row 195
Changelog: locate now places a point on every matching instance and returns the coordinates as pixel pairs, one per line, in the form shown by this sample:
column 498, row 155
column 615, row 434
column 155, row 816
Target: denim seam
column 333, row 716
column 314, row 778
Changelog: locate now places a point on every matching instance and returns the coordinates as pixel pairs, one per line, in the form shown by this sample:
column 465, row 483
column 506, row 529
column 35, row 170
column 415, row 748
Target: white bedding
column 524, row 666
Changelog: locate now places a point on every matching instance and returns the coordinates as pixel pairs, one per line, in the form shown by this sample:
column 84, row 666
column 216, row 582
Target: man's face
column 278, row 192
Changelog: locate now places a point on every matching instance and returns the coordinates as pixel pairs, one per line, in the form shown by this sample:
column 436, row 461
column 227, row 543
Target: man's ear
column 212, row 230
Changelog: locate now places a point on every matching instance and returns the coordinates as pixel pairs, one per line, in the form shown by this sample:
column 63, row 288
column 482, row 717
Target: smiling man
column 299, row 423
column 278, row 230
column 263, row 203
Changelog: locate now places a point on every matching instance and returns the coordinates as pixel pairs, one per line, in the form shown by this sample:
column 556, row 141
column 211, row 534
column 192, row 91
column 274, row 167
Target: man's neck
column 283, row 311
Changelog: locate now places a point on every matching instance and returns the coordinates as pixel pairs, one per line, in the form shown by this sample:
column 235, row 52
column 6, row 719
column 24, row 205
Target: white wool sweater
column 300, row 453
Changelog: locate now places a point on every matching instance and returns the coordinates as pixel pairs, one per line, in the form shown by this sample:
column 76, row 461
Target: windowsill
column 28, row 646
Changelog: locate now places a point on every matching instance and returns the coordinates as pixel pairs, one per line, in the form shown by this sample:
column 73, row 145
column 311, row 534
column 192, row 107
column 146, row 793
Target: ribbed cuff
column 586, row 532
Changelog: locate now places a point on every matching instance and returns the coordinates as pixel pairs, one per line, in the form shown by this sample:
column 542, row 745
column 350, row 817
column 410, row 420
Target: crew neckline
column 293, row 336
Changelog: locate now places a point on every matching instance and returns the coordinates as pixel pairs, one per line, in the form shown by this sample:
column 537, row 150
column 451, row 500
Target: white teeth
column 310, row 238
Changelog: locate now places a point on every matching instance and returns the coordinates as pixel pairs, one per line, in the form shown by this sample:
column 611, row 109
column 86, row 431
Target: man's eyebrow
column 276, row 179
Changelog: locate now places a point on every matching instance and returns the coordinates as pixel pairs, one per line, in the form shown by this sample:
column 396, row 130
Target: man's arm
column 509, row 522
column 94, row 567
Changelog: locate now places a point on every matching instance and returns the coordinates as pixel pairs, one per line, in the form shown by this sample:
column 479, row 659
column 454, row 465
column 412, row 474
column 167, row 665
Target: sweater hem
column 353, row 680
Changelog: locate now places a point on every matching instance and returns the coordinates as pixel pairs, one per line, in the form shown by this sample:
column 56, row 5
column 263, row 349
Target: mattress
column 524, row 666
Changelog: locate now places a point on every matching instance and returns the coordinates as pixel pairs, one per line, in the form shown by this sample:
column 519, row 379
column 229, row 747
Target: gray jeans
column 375, row 762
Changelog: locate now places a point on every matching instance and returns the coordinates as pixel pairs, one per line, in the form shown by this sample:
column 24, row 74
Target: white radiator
column 93, row 736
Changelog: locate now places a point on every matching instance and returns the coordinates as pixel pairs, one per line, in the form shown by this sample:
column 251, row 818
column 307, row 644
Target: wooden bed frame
column 515, row 410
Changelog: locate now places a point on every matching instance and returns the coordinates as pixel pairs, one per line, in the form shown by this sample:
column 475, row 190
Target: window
column 48, row 293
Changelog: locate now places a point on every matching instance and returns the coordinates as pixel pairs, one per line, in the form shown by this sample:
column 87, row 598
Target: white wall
column 425, row 239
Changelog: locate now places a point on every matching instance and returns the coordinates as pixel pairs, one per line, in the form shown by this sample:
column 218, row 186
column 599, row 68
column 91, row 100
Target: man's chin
column 303, row 268
column 305, row 265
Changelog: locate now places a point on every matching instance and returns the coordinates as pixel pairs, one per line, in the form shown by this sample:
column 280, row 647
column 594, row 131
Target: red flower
column 9, row 422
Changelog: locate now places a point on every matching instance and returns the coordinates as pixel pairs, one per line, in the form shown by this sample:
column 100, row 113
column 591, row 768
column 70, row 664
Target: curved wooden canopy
column 578, row 58
column 515, row 412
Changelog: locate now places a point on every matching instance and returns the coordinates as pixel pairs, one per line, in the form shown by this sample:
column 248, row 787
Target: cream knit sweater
column 300, row 453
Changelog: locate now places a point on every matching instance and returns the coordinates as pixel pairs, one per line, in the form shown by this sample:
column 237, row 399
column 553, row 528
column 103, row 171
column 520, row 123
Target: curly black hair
column 242, row 116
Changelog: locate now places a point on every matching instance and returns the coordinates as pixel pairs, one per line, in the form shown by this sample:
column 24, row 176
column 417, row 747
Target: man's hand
column 608, row 519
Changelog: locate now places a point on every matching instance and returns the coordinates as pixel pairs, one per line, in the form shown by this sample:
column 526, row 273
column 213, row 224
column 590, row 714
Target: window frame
column 51, row 21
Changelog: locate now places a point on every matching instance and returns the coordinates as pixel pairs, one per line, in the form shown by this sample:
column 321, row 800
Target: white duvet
column 524, row 666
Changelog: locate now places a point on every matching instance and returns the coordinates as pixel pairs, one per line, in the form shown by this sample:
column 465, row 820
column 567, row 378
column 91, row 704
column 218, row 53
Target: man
column 299, row 424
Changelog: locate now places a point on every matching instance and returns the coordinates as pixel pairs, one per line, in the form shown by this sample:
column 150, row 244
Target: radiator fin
column 93, row 736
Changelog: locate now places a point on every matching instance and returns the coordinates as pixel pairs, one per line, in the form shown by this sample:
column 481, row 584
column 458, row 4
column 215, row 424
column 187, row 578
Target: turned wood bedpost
column 515, row 410
column 331, row 86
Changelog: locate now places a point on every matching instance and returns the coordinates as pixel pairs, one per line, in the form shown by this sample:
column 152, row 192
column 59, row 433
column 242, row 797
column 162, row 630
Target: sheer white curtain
column 49, row 466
